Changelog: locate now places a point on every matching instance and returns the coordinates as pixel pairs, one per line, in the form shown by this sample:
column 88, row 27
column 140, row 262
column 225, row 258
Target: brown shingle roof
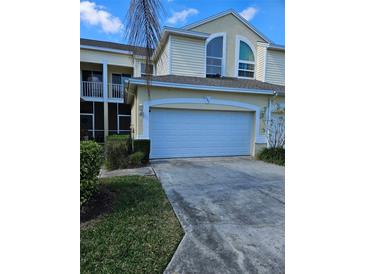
column 111, row 45
column 219, row 82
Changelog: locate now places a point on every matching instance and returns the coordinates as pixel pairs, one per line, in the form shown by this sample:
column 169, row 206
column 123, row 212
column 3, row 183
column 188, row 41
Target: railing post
column 105, row 97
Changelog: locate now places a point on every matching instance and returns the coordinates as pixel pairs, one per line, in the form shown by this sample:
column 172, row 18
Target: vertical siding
column 163, row 63
column 187, row 56
column 260, row 63
column 275, row 67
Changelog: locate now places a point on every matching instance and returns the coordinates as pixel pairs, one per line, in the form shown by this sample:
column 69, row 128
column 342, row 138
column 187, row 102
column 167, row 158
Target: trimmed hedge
column 91, row 159
column 142, row 146
column 116, row 151
column 136, row 158
column 273, row 155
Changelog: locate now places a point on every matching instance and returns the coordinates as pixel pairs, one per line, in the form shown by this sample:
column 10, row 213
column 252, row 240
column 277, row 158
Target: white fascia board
column 106, row 49
column 234, row 13
column 276, row 47
column 201, row 87
column 184, row 32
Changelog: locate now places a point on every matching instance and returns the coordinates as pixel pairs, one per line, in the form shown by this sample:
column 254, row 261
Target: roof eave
column 106, row 49
column 201, row 87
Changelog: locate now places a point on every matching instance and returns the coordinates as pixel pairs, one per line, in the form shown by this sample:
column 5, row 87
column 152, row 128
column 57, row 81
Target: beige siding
column 232, row 27
column 260, row 62
column 163, row 62
column 275, row 67
column 187, row 56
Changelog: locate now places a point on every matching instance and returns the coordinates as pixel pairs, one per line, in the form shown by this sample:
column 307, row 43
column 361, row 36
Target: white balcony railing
column 116, row 91
column 92, row 89
column 95, row 90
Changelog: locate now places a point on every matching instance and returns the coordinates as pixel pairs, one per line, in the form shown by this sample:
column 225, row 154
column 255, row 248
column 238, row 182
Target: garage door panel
column 194, row 133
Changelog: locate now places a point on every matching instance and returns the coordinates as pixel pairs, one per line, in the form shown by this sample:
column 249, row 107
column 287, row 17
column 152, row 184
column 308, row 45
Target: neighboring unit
column 215, row 84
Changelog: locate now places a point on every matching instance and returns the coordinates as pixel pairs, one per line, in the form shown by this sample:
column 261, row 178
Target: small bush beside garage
column 275, row 155
column 143, row 146
column 123, row 152
column 91, row 159
column 116, row 151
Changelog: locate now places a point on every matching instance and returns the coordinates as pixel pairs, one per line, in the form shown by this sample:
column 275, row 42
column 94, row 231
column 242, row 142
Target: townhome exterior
column 214, row 84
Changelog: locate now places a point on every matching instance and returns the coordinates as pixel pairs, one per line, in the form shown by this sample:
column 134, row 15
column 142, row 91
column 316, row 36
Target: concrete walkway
column 142, row 171
column 232, row 211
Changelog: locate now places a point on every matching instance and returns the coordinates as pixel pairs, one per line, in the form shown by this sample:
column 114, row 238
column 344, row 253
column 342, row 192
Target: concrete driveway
column 232, row 211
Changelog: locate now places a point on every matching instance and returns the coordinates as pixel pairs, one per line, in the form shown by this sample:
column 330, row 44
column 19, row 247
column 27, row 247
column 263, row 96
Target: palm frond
column 143, row 28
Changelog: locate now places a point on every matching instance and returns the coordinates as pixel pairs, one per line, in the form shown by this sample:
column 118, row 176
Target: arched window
column 215, row 57
column 246, row 61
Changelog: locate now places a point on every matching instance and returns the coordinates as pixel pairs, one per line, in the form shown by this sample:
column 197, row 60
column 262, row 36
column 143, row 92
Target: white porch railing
column 92, row 89
column 116, row 91
column 95, row 90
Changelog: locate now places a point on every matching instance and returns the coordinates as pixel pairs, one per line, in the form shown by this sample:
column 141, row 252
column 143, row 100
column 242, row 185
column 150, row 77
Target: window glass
column 143, row 69
column 214, row 57
column 212, row 70
column 124, row 122
column 215, row 47
column 243, row 73
column 86, row 122
column 116, row 78
column 246, row 52
column 246, row 66
column 214, row 61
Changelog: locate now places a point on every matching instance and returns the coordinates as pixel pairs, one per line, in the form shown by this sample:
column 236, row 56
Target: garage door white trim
column 207, row 100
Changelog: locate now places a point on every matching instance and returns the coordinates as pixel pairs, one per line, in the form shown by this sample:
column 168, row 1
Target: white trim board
column 202, row 87
column 259, row 139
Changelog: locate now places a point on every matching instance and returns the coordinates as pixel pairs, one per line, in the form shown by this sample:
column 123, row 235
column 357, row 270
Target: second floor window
column 215, row 57
column 92, row 76
column 246, row 61
column 144, row 70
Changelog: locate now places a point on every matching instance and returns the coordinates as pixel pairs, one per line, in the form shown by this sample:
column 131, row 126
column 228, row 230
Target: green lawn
column 139, row 232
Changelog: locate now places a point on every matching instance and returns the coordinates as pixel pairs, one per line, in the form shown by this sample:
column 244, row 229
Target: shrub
column 273, row 155
column 117, row 149
column 136, row 158
column 90, row 162
column 142, row 146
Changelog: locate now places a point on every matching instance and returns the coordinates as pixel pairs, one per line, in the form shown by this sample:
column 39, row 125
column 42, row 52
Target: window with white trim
column 246, row 61
column 144, row 71
column 215, row 57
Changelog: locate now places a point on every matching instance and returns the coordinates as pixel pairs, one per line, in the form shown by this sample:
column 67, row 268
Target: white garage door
column 194, row 133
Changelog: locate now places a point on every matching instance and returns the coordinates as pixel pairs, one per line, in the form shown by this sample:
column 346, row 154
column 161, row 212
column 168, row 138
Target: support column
column 105, row 99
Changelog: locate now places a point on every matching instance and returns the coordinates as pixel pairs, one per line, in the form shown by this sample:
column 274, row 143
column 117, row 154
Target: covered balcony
column 102, row 82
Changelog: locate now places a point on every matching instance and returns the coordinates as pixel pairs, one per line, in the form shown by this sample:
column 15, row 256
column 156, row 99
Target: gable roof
column 228, row 84
column 224, row 13
column 100, row 45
